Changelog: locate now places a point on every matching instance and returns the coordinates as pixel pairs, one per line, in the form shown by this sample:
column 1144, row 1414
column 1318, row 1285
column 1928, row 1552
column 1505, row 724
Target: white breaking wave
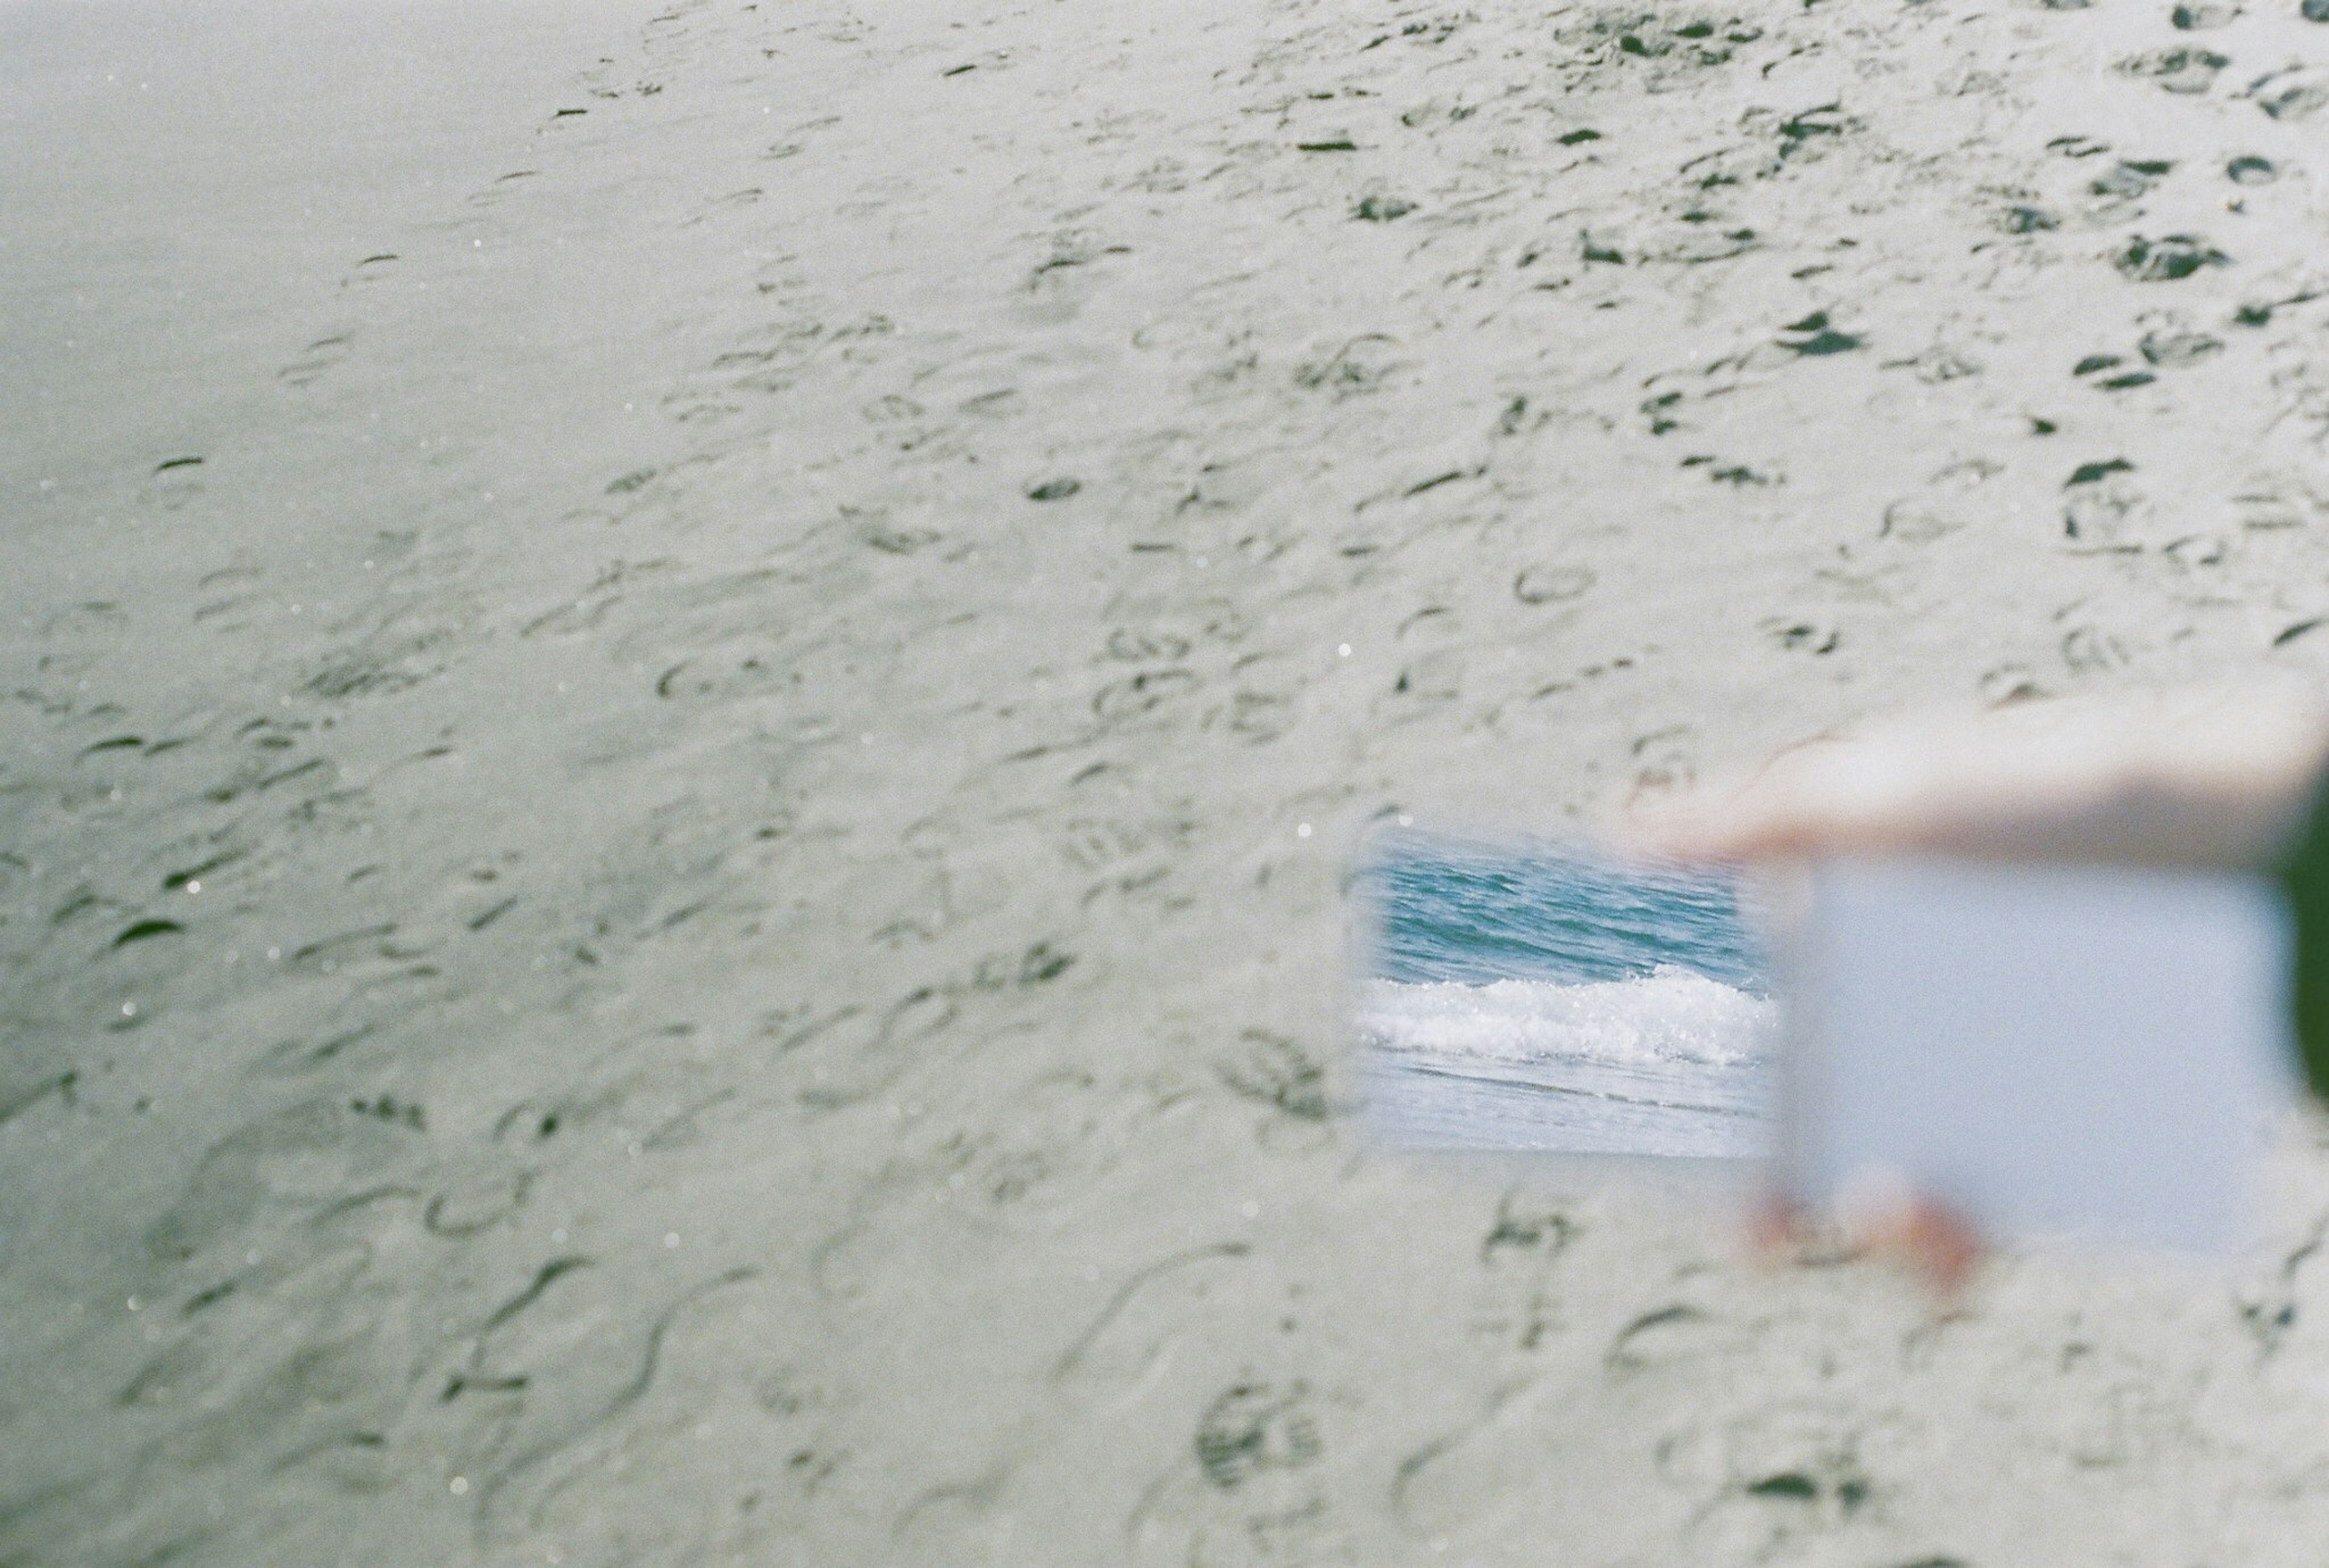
column 1673, row 1015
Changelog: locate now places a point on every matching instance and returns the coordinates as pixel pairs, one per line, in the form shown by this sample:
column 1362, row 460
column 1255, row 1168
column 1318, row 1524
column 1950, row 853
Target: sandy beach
column 688, row 689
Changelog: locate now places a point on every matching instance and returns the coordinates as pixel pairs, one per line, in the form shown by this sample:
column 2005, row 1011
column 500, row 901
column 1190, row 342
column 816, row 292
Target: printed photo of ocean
column 1520, row 996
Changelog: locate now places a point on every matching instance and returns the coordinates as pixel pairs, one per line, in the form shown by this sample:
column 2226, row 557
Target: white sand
column 759, row 995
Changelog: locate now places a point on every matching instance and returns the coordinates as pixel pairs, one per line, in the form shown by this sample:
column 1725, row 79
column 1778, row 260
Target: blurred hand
column 2192, row 779
column 1932, row 1240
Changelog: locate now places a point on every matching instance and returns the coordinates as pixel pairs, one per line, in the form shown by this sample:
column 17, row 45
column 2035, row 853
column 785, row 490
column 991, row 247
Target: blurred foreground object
column 2090, row 1053
column 1934, row 956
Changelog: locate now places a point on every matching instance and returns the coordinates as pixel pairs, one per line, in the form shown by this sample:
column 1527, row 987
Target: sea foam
column 1671, row 1016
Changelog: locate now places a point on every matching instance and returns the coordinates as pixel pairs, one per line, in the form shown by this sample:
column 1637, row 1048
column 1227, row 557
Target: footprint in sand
column 2132, row 178
column 2169, row 259
column 2178, row 69
column 317, row 359
column 502, row 189
column 2298, row 93
column 371, row 270
column 175, row 482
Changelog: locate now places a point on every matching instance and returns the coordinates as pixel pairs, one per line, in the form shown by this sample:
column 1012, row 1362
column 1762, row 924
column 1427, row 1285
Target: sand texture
column 687, row 691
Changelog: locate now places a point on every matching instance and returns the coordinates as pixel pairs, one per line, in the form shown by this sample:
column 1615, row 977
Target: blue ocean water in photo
column 1527, row 996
